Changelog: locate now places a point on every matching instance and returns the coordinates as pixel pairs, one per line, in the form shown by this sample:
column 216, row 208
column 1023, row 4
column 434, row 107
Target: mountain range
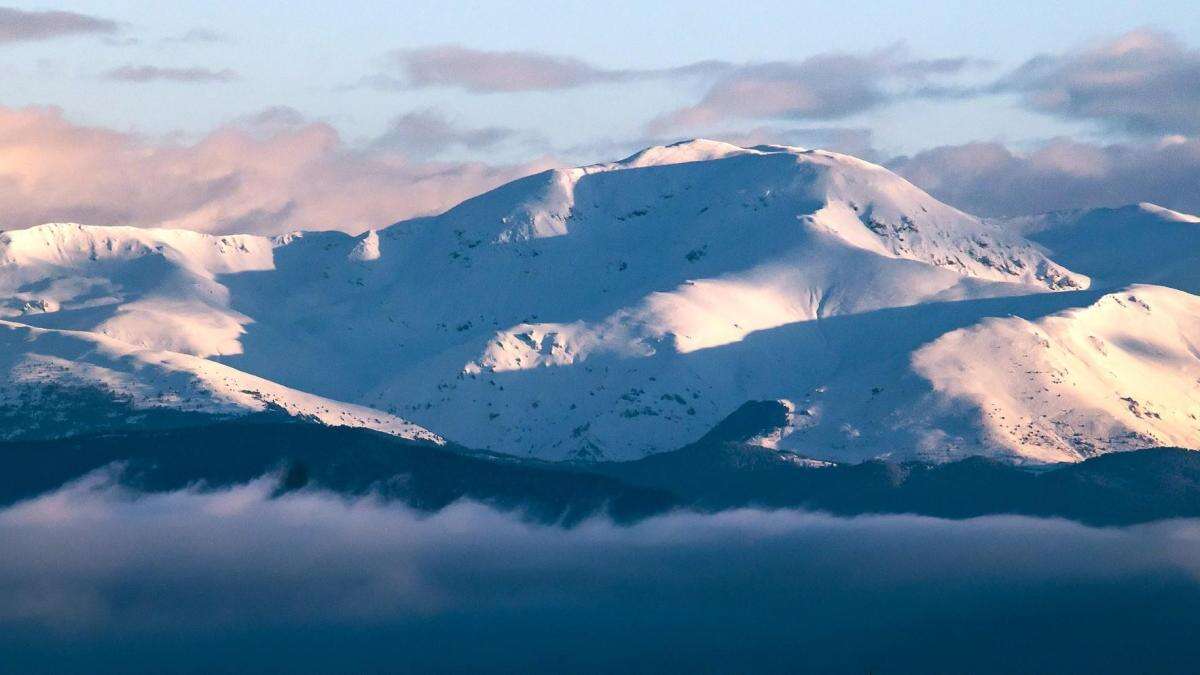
column 619, row 311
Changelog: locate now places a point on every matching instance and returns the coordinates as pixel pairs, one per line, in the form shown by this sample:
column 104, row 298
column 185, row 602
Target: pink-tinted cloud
column 483, row 71
column 990, row 179
column 1144, row 81
column 18, row 25
column 268, row 174
column 428, row 132
column 821, row 87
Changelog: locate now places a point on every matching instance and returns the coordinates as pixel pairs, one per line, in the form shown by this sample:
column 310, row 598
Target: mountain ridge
column 711, row 475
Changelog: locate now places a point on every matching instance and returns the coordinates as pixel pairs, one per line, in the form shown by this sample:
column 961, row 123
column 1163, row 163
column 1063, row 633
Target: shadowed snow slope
column 605, row 311
column 1137, row 243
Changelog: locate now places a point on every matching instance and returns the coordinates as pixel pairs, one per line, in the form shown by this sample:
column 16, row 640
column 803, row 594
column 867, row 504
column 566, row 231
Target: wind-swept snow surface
column 605, row 311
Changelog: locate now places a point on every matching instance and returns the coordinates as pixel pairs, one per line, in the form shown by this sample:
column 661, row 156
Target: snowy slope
column 605, row 311
column 62, row 383
column 148, row 287
column 1030, row 379
column 1140, row 243
column 1025, row 380
column 1120, row 374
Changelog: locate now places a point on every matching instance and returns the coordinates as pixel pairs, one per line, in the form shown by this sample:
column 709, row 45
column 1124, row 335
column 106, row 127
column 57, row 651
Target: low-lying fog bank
column 95, row 577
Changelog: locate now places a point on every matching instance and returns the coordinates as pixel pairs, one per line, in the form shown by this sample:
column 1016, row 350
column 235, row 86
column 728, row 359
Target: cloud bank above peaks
column 281, row 171
column 277, row 171
column 991, row 179
column 269, row 173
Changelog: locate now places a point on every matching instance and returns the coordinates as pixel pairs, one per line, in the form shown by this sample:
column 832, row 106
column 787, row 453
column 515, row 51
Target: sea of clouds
column 96, row 577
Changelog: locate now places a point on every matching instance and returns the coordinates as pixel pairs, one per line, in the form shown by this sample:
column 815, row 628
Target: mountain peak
column 692, row 150
column 72, row 243
column 771, row 191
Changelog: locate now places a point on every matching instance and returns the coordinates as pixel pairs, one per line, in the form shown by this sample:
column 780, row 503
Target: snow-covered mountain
column 1139, row 243
column 608, row 311
column 1120, row 374
column 62, row 383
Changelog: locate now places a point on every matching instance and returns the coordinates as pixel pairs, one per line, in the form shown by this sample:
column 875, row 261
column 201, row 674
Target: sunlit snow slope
column 1120, row 374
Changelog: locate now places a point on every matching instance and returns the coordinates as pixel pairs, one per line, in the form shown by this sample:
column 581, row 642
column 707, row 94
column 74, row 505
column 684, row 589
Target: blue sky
column 309, row 56
column 1083, row 103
